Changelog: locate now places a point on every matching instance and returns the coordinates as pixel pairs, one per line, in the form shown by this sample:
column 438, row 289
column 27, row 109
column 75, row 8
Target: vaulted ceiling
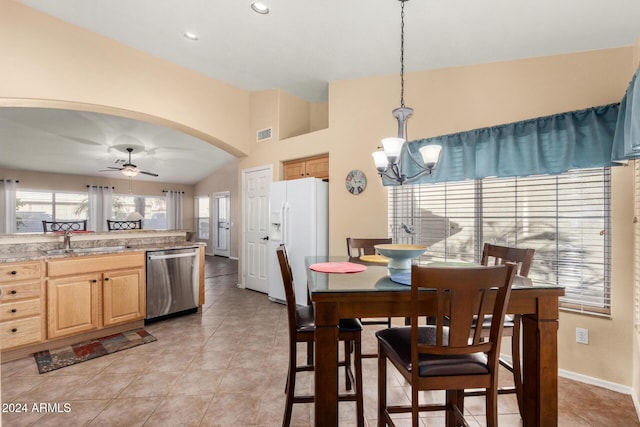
column 299, row 46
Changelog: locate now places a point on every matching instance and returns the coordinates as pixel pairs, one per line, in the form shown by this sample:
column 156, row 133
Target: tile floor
column 227, row 367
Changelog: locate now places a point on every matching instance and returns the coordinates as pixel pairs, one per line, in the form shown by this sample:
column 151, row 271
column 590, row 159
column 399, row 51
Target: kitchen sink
column 58, row 251
column 84, row 250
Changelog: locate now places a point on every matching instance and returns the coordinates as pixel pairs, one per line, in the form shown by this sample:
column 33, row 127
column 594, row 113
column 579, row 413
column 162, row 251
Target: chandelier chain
column 402, row 53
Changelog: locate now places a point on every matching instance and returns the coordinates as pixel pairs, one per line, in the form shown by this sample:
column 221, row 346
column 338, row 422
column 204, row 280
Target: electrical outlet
column 582, row 335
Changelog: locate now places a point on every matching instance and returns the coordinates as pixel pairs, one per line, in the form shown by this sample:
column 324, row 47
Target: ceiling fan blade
column 114, row 168
column 149, row 173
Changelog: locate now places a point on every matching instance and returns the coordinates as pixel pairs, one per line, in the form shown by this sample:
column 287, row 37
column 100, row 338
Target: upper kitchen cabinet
column 316, row 167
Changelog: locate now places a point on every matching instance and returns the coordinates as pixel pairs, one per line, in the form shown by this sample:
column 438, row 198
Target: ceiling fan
column 129, row 169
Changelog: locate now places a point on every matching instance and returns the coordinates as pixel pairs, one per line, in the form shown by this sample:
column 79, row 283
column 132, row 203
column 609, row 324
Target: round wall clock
column 356, row 182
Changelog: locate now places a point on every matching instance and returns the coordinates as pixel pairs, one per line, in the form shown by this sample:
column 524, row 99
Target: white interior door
column 255, row 201
column 222, row 214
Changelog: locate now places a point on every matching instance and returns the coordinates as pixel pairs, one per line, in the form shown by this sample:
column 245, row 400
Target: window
column 203, row 217
column 32, row 207
column 565, row 218
column 152, row 208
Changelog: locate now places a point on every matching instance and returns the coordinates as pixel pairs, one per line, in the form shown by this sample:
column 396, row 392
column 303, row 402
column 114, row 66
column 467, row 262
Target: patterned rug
column 50, row 360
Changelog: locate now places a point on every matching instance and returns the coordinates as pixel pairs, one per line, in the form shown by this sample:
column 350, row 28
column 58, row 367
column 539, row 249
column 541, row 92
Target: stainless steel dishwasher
column 172, row 282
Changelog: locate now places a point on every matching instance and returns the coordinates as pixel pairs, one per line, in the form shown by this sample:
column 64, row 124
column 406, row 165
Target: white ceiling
column 300, row 46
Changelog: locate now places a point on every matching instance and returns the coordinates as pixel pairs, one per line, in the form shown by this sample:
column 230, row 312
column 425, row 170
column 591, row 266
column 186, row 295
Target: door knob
column 265, row 238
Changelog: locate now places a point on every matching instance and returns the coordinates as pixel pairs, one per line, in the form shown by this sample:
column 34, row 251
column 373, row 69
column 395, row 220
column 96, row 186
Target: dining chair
column 124, row 225
column 445, row 355
column 357, row 247
column 302, row 330
column 523, row 258
column 53, row 226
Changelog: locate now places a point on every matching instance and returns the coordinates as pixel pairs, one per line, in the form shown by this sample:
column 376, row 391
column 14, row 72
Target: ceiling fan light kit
column 128, row 169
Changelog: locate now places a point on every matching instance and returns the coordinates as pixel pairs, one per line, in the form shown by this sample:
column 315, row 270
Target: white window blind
column 565, row 218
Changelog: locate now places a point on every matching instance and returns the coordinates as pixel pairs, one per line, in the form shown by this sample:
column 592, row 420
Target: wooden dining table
column 372, row 293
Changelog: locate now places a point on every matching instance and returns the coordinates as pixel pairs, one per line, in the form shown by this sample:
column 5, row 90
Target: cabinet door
column 294, row 170
column 318, row 168
column 72, row 305
column 123, row 296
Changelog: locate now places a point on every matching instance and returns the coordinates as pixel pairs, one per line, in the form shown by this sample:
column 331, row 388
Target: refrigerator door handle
column 285, row 222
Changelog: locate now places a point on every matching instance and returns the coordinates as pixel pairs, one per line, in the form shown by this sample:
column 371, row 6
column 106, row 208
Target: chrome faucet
column 67, row 239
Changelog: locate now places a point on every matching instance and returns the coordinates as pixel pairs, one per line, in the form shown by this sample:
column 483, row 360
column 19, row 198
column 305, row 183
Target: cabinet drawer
column 11, row 292
column 14, row 272
column 19, row 309
column 82, row 265
column 20, row 332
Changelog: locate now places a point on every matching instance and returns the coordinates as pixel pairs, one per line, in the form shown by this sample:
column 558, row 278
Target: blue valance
column 546, row 145
column 626, row 141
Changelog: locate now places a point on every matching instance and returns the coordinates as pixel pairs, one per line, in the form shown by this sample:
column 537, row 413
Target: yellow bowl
column 400, row 256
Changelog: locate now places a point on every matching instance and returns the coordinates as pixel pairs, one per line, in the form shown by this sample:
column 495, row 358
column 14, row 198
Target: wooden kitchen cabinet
column 88, row 293
column 72, row 305
column 316, row 167
column 21, row 307
column 123, row 296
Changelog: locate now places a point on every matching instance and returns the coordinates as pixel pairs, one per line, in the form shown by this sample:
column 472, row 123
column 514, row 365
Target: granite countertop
column 37, row 255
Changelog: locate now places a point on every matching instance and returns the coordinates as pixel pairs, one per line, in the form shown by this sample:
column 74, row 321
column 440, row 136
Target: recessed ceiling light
column 259, row 7
column 190, row 35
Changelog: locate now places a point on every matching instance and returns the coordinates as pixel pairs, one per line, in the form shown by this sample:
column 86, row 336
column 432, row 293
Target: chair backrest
column 496, row 255
column 357, row 247
column 52, row 226
column 461, row 294
column 289, row 289
column 124, row 225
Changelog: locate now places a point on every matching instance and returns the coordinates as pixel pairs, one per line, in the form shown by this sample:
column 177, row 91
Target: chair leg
column 347, row 364
column 290, row 388
column 415, row 403
column 491, row 403
column 451, row 400
column 359, row 387
column 382, row 386
column 310, row 353
column 516, row 361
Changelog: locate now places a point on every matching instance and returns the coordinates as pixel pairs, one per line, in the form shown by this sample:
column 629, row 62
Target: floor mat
column 50, row 360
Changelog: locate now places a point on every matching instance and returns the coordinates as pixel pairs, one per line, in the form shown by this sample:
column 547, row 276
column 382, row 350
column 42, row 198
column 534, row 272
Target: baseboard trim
column 596, row 381
column 588, row 380
column 636, row 403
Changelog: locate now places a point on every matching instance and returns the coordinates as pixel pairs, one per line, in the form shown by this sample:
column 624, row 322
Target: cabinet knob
column 94, row 281
column 14, row 272
column 14, row 310
column 106, row 279
column 13, row 291
column 14, row 330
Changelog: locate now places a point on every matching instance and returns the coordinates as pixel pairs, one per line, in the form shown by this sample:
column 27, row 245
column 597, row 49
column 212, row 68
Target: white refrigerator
column 299, row 218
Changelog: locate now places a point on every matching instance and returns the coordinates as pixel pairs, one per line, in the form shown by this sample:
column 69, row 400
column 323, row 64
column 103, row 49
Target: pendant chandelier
column 388, row 160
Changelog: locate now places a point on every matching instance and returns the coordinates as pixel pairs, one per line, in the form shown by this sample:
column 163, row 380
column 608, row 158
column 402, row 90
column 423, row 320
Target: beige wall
column 458, row 99
column 225, row 179
column 636, row 336
column 46, row 62
column 30, row 180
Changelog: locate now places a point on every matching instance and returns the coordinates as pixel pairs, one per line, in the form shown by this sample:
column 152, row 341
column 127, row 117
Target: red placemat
column 338, row 267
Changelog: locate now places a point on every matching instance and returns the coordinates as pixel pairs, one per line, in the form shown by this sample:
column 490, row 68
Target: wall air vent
column 264, row 134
